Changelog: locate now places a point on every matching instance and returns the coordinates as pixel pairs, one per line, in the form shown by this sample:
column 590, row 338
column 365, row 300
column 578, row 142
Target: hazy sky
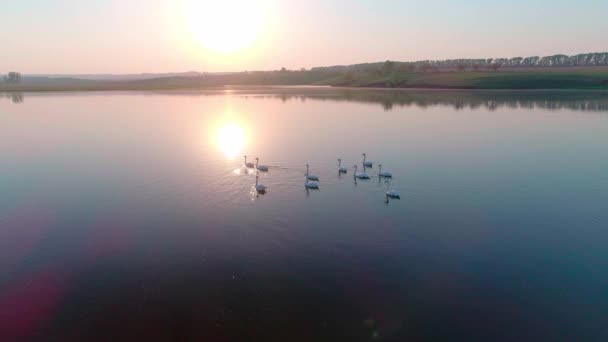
column 120, row 36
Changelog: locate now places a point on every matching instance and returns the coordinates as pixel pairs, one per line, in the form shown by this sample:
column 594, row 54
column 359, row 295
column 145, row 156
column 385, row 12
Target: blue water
column 130, row 216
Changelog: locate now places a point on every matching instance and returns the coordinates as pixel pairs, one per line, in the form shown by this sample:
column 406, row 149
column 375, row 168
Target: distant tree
column 406, row 67
column 302, row 69
column 476, row 67
column 393, row 80
column 530, row 61
column 388, row 67
column 425, row 67
column 461, row 67
column 283, row 69
column 515, row 61
column 495, row 66
column 501, row 61
column 13, row 77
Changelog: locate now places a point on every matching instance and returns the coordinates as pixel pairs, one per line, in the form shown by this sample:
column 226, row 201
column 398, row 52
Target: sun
column 226, row 26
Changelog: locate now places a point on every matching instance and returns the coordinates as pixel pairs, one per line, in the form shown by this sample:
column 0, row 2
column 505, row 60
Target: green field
column 563, row 78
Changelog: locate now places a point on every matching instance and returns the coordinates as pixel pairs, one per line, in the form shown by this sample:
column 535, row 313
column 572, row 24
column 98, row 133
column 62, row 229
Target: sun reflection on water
column 230, row 139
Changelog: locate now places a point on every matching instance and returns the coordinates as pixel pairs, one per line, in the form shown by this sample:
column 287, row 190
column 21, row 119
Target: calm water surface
column 130, row 216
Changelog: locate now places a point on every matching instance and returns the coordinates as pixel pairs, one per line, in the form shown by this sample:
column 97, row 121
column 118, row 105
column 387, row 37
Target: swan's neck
column 388, row 186
column 339, row 163
column 380, row 170
column 364, row 157
column 256, row 181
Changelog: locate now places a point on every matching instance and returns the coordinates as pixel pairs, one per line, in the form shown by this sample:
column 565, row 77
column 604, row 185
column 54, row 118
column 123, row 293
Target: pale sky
column 134, row 36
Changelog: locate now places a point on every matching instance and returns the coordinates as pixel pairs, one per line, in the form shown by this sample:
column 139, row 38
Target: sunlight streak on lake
column 230, row 140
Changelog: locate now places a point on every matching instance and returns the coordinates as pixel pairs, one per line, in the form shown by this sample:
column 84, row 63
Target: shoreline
column 290, row 87
column 570, row 79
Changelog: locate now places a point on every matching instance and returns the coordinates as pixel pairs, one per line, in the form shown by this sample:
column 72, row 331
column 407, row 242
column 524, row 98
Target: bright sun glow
column 230, row 139
column 227, row 26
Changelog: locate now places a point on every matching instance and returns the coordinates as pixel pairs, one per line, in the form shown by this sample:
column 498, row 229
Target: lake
column 130, row 216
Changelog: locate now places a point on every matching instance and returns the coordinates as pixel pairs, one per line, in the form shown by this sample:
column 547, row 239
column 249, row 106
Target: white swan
column 385, row 173
column 311, row 184
column 309, row 176
column 365, row 162
column 360, row 175
column 260, row 188
column 341, row 169
column 391, row 193
column 249, row 165
column 260, row 167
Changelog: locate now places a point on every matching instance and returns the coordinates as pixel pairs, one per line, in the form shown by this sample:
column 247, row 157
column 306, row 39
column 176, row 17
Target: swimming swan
column 260, row 188
column 360, row 175
column 391, row 193
column 249, row 165
column 310, row 184
column 260, row 167
column 309, row 176
column 366, row 163
column 341, row 169
column 385, row 173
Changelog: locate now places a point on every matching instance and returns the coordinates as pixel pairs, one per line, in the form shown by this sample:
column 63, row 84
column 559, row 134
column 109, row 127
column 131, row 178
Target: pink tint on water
column 21, row 230
column 28, row 303
column 107, row 239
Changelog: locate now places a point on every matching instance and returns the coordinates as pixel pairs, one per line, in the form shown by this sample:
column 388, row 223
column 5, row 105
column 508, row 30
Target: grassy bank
column 559, row 78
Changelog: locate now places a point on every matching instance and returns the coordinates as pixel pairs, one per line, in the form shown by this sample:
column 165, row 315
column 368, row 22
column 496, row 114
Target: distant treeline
column 586, row 59
column 583, row 71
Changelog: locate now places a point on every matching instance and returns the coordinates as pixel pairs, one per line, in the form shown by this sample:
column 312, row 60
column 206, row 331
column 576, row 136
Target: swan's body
column 391, row 193
column 249, row 165
column 310, row 184
column 365, row 162
column 260, row 188
column 385, row 174
column 309, row 176
column 260, row 167
column 341, row 169
column 360, row 175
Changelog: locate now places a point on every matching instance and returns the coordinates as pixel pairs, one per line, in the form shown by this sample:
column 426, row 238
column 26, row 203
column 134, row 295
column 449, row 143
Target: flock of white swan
column 311, row 181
